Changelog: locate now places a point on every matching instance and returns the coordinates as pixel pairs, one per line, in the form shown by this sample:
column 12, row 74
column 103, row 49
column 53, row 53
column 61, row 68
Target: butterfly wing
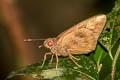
column 82, row 38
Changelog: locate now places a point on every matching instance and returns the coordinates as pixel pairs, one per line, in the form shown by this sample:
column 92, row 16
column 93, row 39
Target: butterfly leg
column 72, row 58
column 51, row 59
column 45, row 58
column 56, row 61
column 75, row 58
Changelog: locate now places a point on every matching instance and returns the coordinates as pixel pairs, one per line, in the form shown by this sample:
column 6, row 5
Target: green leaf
column 111, row 33
column 99, row 55
column 110, row 39
column 118, row 61
column 67, row 70
column 117, row 77
column 106, row 67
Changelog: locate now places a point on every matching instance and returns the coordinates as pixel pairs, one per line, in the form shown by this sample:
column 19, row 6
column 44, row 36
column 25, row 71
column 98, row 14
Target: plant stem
column 110, row 54
column 114, row 63
column 98, row 63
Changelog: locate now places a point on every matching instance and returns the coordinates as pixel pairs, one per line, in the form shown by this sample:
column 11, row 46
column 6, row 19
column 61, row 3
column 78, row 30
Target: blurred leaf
column 110, row 39
column 111, row 33
column 107, row 63
column 67, row 70
column 106, row 67
column 117, row 77
column 99, row 55
column 118, row 61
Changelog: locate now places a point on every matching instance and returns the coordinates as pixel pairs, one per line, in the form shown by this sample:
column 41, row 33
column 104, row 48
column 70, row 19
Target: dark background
column 43, row 19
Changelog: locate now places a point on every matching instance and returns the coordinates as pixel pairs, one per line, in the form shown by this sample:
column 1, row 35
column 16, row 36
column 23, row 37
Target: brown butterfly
column 80, row 39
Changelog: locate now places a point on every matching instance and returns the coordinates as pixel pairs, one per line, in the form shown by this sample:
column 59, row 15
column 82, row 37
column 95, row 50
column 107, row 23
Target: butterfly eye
column 50, row 43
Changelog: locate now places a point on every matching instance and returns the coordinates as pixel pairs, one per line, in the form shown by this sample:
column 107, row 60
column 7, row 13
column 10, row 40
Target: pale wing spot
column 99, row 18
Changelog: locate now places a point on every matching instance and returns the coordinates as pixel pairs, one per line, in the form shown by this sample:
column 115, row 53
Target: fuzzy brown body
column 80, row 39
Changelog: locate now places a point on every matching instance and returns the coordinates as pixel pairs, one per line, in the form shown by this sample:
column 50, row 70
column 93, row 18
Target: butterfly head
column 49, row 43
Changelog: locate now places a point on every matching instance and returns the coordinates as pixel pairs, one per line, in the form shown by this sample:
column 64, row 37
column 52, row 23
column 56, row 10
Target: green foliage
column 104, row 56
column 99, row 55
column 67, row 70
column 110, row 40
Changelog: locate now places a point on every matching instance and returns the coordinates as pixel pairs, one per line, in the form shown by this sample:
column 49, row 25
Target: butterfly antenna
column 33, row 39
column 40, row 46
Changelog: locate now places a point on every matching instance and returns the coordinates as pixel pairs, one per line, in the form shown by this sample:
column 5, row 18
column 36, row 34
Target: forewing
column 82, row 38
